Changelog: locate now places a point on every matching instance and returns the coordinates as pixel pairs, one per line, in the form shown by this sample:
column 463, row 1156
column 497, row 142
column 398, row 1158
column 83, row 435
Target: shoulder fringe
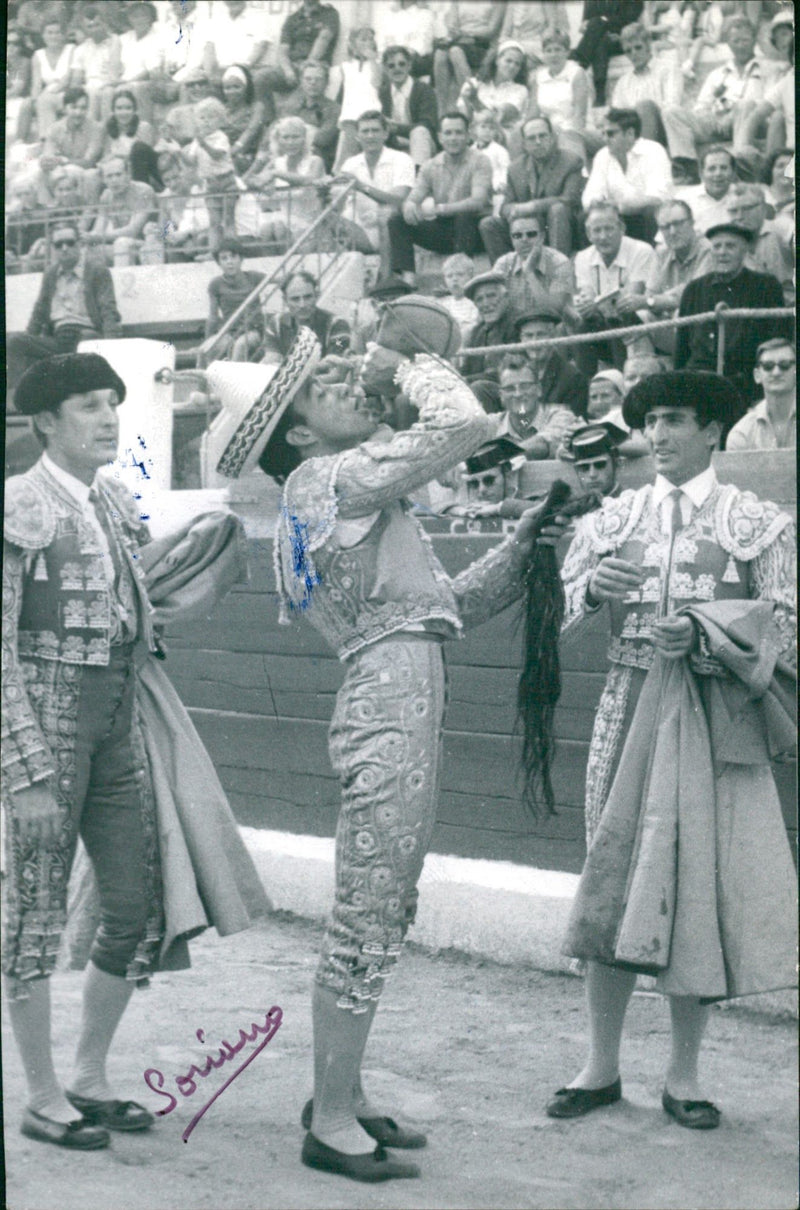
column 611, row 525
column 745, row 525
column 29, row 521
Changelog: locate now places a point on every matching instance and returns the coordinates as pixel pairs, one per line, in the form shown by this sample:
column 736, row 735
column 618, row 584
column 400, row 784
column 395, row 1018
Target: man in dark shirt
column 495, row 327
column 310, row 103
column 603, row 21
column 300, row 293
column 311, row 32
column 730, row 283
column 559, row 381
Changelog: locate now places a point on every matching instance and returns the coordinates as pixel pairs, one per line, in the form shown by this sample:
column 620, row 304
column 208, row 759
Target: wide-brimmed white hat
column 253, row 398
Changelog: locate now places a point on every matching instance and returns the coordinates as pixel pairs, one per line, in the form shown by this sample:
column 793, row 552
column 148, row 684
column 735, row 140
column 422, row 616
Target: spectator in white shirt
column 632, row 172
column 407, row 24
column 649, row 85
column 141, row 51
column 684, row 256
column 96, row 65
column 771, row 424
column 384, row 179
column 610, row 277
column 238, row 38
column 709, row 199
column 725, row 101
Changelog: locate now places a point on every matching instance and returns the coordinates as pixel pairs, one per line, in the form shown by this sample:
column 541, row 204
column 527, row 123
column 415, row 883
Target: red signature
column 187, row 1085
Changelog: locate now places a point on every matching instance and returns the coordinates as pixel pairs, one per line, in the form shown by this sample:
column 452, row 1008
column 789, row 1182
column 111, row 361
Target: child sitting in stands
column 457, row 271
column 225, row 295
column 210, row 155
column 485, row 130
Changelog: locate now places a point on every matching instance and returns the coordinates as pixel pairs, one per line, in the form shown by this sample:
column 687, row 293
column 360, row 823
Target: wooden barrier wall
column 262, row 695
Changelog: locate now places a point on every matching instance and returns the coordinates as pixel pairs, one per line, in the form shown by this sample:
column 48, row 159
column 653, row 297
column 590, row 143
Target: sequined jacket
column 734, row 547
column 383, row 576
column 56, row 599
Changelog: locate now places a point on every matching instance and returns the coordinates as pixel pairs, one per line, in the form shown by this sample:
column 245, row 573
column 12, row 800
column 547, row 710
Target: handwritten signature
column 187, row 1085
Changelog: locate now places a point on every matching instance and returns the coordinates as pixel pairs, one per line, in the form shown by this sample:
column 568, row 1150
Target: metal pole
column 719, row 311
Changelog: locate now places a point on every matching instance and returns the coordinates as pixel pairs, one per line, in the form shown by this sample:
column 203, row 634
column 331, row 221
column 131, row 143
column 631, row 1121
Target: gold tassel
column 40, row 570
column 731, row 574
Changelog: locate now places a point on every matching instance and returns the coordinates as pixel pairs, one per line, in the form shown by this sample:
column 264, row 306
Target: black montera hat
column 49, row 382
column 710, row 395
column 595, row 440
column 501, row 452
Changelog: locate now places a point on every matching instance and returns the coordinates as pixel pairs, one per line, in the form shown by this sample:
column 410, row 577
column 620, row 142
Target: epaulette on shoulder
column 29, row 520
column 611, row 524
column 747, row 525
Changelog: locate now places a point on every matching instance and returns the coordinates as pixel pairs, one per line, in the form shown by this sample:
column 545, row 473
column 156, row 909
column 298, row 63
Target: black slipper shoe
column 575, row 1102
column 78, row 1135
column 383, row 1130
column 696, row 1115
column 114, row 1115
column 370, row 1167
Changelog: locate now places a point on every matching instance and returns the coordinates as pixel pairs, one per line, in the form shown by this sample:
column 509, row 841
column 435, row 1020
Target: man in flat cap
column 689, row 876
column 496, row 325
column 731, row 283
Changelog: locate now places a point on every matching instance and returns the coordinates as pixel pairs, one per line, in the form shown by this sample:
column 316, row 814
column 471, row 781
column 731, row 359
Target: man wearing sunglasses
column 409, row 105
column 534, row 273
column 771, row 424
column 76, row 302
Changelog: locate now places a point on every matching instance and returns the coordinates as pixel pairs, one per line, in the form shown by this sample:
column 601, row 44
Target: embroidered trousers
column 385, row 741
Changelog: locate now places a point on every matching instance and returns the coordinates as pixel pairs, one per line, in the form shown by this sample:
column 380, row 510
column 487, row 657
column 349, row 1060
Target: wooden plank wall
column 262, row 695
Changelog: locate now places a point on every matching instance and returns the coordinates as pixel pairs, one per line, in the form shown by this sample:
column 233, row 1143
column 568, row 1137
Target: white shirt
column 755, row 431
column 727, row 86
column 707, row 210
column 400, row 102
column 694, row 493
column 412, row 27
column 647, row 174
column 394, row 170
column 633, row 263
column 80, row 493
column 655, row 83
column 235, row 38
column 140, row 55
column 781, row 97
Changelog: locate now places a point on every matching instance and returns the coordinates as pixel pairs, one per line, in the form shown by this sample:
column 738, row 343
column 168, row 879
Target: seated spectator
column 500, row 81
column 26, row 228
column 776, row 112
column 225, row 295
column 603, row 22
column 638, row 366
column 606, row 392
column 610, row 277
column 559, row 382
column 238, row 40
column 76, row 302
column 648, row 86
column 484, row 130
column 50, row 71
column 724, row 103
column 19, row 110
column 409, row 106
column 68, row 201
column 729, row 282
column 490, row 476
column 300, row 293
column 545, row 181
column 496, row 326
column 383, row 181
column 246, row 119
column 530, row 21
column 684, row 256
column 309, row 102
column 311, row 32
column 535, row 274
column 706, row 33
column 412, row 27
column 560, row 92
column 779, row 192
column 365, row 314
column 770, row 424
column 471, row 29
column 183, row 218
column 127, row 136
column 187, row 33
column 442, row 212
column 209, row 153
column 290, row 179
column 179, row 122
column 359, row 77
column 457, row 271
column 709, row 199
column 124, row 208
column 536, row 426
column 593, row 450
column 632, row 172
column 96, row 63
column 141, row 55
column 768, row 254
column 76, row 138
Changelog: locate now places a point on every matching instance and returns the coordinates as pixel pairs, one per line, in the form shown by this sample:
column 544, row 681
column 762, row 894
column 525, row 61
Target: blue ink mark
column 142, row 442
column 302, row 566
column 144, row 516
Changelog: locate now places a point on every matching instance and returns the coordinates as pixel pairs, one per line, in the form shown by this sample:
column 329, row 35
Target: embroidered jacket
column 349, row 552
column 57, row 602
column 734, row 546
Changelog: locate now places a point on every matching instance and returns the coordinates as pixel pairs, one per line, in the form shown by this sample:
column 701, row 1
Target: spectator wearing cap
column 492, row 474
column 534, row 273
column 606, row 391
column 310, row 32
column 558, row 380
column 649, row 85
column 496, row 326
column 709, row 199
column 724, row 103
column 545, row 181
column 300, row 292
column 632, row 172
column 76, row 302
column 770, row 424
column 610, row 277
column 683, row 256
column 309, row 102
column 593, row 450
column 451, row 193
column 731, row 283
column 538, row 427
column 747, row 207
column 409, row 105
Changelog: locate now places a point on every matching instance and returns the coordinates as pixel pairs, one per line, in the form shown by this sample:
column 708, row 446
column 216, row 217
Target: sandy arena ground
column 466, row 1049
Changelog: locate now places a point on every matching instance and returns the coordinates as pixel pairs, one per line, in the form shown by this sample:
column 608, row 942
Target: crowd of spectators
column 584, row 167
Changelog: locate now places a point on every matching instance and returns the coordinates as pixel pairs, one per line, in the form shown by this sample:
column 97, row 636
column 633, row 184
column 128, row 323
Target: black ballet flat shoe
column 78, row 1135
column 575, row 1102
column 695, row 1115
column 370, row 1167
column 383, row 1130
column 114, row 1115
